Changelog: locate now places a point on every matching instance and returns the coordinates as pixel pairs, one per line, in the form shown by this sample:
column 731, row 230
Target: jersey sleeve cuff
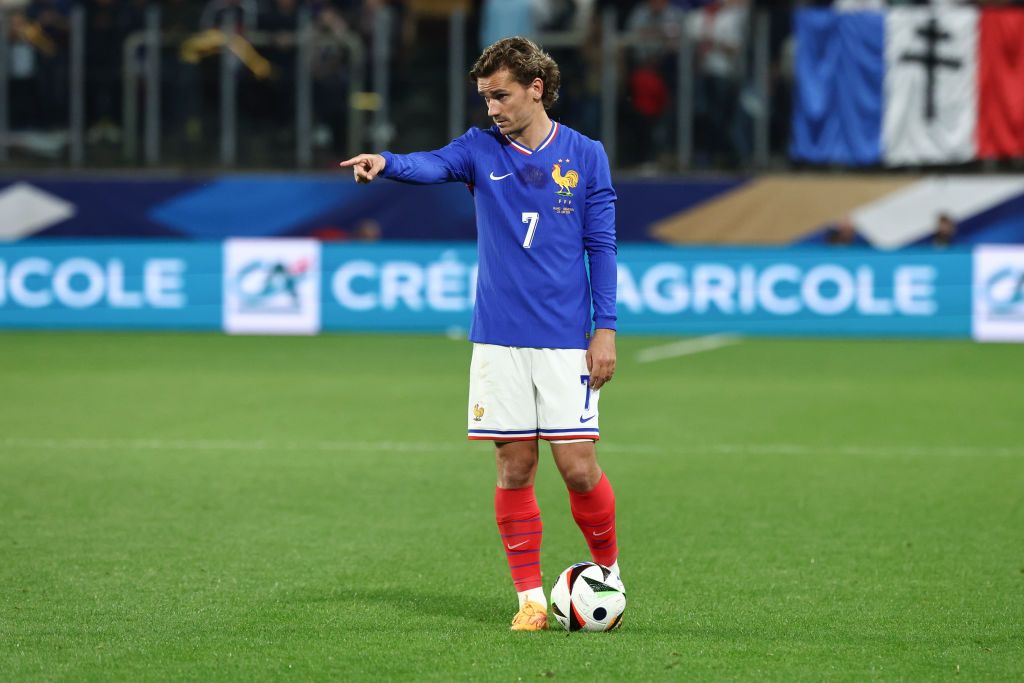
column 602, row 322
column 388, row 164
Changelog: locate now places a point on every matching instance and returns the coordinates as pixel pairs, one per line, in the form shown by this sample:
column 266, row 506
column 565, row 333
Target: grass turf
column 214, row 508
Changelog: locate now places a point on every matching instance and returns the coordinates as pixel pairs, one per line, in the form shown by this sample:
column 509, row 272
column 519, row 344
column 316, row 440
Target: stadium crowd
column 724, row 104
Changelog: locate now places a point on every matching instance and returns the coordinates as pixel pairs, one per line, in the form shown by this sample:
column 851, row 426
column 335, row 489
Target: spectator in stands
column 782, row 53
column 367, row 230
column 181, row 99
column 390, row 14
column 280, row 20
column 385, row 31
column 558, row 15
column 945, row 231
column 656, row 27
column 842, row 234
column 27, row 44
column 108, row 22
column 719, row 32
column 332, row 74
column 569, row 17
column 504, row 18
column 333, row 20
column 582, row 96
column 40, row 62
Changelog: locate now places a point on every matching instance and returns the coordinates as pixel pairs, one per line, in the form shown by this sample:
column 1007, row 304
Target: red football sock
column 594, row 512
column 520, row 527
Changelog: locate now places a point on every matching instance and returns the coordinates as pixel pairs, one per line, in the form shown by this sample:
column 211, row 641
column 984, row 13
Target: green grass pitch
column 201, row 507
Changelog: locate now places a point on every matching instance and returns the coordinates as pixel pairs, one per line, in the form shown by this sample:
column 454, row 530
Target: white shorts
column 522, row 394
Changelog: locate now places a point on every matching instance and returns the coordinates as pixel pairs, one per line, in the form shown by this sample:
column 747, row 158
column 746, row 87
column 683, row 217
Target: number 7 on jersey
column 531, row 218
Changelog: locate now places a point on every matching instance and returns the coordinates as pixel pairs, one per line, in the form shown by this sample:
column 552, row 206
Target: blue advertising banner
column 671, row 291
column 400, row 287
column 304, row 286
column 101, row 285
column 816, row 292
column 321, row 206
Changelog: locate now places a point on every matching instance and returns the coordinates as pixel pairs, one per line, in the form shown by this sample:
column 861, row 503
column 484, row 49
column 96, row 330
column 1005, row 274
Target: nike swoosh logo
column 601, row 533
column 499, row 177
column 513, row 547
column 586, row 419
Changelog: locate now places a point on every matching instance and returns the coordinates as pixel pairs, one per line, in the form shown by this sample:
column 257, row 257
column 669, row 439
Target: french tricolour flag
column 909, row 86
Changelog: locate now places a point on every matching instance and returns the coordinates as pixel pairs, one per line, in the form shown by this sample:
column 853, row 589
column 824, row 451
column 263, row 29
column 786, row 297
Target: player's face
column 511, row 105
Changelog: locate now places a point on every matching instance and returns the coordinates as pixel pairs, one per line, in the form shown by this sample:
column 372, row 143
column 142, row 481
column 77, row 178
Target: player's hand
column 601, row 358
column 365, row 167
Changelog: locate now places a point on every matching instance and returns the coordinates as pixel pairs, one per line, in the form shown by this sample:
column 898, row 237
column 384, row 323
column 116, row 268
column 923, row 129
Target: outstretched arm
column 450, row 163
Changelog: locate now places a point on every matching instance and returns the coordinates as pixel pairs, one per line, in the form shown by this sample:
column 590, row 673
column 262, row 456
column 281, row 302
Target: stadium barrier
column 302, row 286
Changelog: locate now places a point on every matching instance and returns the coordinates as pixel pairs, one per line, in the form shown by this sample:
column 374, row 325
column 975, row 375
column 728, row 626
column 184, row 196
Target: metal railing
column 614, row 42
column 5, row 110
column 370, row 109
column 75, row 84
column 150, row 42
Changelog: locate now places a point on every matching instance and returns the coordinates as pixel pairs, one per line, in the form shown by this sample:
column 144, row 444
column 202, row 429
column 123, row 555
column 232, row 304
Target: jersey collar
column 519, row 147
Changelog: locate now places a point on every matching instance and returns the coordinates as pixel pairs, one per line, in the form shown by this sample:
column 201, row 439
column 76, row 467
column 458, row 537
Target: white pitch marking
column 221, row 445
column 687, row 347
column 853, row 450
column 681, row 449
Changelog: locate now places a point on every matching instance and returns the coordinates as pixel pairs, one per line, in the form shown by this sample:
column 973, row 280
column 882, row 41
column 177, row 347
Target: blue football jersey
column 541, row 214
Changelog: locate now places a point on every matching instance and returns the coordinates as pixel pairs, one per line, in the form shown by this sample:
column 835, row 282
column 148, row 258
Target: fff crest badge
column 566, row 181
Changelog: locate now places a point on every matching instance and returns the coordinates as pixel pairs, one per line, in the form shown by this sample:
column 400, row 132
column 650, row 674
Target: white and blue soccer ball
column 588, row 597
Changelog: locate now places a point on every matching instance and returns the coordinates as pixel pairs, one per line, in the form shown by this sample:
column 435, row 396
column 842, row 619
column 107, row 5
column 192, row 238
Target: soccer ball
column 588, row 597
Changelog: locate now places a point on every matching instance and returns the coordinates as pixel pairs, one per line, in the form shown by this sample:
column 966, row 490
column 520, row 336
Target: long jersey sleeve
column 543, row 215
column 448, row 164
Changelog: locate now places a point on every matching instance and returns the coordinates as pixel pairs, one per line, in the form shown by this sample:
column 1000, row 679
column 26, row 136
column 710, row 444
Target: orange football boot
column 532, row 616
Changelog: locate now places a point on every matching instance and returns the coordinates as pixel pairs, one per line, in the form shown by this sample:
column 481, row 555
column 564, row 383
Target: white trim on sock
column 533, row 595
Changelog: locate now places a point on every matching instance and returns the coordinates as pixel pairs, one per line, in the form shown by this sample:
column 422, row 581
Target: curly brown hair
column 525, row 60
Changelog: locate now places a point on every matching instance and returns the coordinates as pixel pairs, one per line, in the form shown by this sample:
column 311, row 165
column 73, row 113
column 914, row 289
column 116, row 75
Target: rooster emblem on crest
column 565, row 182
column 478, row 412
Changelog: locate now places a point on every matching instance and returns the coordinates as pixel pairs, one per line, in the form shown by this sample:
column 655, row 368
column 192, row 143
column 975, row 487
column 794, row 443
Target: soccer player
column 545, row 208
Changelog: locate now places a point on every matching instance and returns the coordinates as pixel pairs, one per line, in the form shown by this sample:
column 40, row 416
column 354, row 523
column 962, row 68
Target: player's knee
column 581, row 476
column 517, row 463
column 516, row 474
